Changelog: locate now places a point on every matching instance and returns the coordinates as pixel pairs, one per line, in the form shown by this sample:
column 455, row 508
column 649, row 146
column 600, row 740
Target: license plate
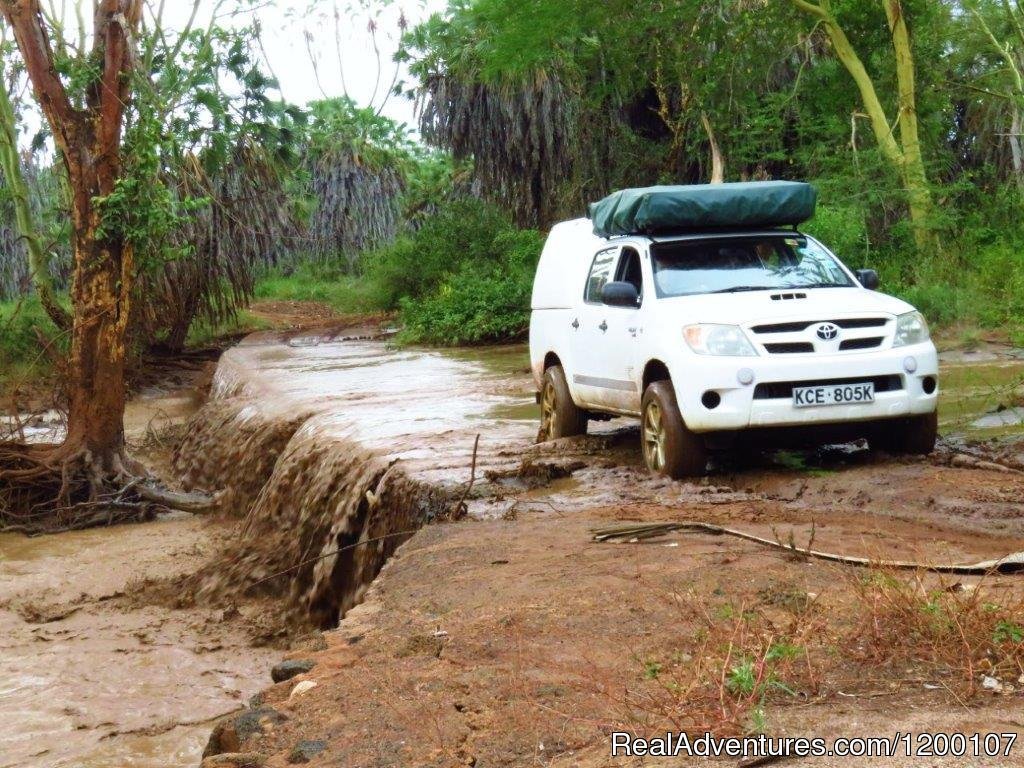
column 833, row 394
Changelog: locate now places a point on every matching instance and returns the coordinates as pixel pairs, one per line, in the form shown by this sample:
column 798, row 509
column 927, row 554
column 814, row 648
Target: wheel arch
column 655, row 370
column 551, row 360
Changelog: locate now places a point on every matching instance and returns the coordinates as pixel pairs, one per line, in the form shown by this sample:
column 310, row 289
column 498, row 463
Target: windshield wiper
column 742, row 288
column 816, row 285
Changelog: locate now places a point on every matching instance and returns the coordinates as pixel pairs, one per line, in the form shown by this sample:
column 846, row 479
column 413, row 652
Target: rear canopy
column 675, row 209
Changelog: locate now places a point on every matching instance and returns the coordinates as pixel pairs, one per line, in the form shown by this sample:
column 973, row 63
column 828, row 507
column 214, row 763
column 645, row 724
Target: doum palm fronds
column 521, row 136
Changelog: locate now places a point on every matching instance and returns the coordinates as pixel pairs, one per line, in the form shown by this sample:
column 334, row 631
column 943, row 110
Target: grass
column 731, row 665
column 346, row 294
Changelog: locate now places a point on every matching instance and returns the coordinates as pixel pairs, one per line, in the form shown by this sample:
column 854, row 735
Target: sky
column 286, row 24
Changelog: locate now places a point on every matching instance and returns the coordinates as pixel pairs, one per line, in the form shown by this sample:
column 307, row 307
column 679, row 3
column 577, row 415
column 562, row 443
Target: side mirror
column 868, row 278
column 620, row 294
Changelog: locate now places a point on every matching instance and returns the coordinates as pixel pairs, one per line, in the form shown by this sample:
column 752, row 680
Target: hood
column 758, row 306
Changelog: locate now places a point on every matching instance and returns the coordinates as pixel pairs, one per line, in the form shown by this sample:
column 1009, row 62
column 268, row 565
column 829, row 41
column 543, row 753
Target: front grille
column 803, row 325
column 792, row 348
column 862, row 322
column 782, row 327
column 783, row 390
column 872, row 343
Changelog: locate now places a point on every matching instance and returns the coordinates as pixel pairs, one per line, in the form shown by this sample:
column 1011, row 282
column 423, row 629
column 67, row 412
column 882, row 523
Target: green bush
column 464, row 277
column 21, row 354
column 416, row 265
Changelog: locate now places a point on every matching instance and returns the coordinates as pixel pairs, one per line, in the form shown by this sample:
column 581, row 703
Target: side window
column 629, row 270
column 600, row 273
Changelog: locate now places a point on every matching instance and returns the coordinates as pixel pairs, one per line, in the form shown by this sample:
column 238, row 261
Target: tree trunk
column 717, row 160
column 1015, row 149
column 915, row 177
column 97, row 386
column 89, row 141
column 905, row 154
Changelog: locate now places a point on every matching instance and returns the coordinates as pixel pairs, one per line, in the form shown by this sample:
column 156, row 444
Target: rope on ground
column 1013, row 563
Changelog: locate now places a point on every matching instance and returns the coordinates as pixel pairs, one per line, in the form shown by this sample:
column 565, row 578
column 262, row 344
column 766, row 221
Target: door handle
column 576, row 324
column 603, row 326
column 632, row 331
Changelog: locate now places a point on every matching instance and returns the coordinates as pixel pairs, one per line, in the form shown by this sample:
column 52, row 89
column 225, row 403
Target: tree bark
column 1015, row 149
column 89, row 141
column 717, row 160
column 915, row 175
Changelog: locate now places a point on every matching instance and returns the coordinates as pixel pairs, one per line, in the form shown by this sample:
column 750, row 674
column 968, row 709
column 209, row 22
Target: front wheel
column 559, row 416
column 669, row 447
column 914, row 435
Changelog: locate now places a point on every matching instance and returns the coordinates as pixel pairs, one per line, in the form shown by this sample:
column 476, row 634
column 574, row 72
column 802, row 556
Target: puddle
column 1010, row 417
column 975, row 396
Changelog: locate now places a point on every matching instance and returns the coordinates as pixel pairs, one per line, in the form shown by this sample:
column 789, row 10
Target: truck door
column 607, row 339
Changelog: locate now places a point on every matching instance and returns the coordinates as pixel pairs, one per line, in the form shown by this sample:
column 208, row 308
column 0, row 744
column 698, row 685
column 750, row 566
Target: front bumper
column 741, row 409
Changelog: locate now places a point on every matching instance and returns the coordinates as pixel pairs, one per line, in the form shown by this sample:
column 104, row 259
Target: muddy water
column 86, row 680
column 422, row 408
column 91, row 678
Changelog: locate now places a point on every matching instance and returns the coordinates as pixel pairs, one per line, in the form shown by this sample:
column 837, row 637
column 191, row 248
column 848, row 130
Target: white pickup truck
column 725, row 338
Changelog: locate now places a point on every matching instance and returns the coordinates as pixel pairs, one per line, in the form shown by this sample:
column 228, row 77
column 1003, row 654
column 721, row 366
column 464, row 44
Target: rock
column 301, row 688
column 286, row 670
column 230, row 734
column 305, row 751
column 991, row 684
column 235, row 760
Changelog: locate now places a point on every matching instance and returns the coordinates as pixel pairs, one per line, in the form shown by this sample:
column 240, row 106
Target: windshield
column 743, row 264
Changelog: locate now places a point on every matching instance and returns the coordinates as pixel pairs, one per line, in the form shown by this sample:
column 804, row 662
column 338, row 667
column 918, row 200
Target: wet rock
column 305, row 751
column 235, row 760
column 286, row 670
column 230, row 734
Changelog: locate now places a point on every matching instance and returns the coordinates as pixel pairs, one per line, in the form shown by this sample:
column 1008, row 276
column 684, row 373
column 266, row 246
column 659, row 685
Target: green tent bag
column 676, row 209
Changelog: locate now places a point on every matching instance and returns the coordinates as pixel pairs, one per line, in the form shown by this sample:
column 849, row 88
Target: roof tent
column 677, row 209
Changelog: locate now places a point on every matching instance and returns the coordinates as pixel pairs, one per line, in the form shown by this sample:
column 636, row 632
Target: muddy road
column 511, row 627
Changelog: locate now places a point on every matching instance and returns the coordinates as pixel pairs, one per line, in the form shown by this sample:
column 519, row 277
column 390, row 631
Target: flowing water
column 327, row 454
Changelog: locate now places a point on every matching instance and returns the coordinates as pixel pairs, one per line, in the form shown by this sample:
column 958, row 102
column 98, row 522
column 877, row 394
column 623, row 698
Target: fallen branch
column 195, row 503
column 1013, row 563
column 966, row 461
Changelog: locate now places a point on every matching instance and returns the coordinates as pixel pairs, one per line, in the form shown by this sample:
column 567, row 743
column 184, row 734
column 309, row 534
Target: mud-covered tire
column 913, row 435
column 669, row 447
column 559, row 416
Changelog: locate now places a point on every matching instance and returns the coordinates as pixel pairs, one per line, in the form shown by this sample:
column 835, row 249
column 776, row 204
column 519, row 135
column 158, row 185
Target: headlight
column 727, row 340
column 911, row 328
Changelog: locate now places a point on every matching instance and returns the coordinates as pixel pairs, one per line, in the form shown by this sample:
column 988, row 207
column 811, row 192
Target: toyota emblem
column 828, row 331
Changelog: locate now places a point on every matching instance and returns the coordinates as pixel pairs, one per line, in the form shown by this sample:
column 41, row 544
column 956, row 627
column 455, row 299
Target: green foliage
column 417, row 264
column 22, row 324
column 464, row 277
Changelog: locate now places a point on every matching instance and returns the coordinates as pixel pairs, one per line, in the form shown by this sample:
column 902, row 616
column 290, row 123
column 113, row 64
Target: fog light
column 711, row 400
column 910, row 364
column 745, row 376
column 929, row 384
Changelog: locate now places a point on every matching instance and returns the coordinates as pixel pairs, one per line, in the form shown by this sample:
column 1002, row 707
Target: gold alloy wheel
column 654, row 437
column 547, row 409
